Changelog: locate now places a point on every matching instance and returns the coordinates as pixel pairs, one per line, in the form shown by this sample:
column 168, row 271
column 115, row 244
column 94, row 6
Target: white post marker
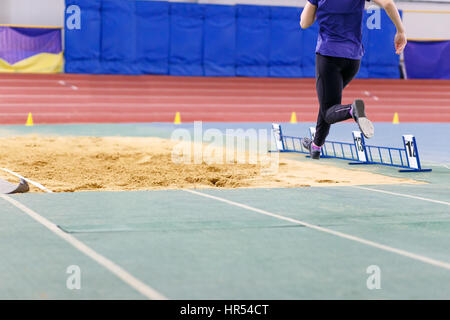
column 411, row 151
column 312, row 132
column 359, row 145
column 276, row 129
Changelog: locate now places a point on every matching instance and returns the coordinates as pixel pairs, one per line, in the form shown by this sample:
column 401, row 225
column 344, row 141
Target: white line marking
column 403, row 195
column 108, row 264
column 40, row 186
column 404, row 253
column 438, row 165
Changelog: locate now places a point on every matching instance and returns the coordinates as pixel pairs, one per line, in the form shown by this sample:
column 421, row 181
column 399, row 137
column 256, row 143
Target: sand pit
column 71, row 164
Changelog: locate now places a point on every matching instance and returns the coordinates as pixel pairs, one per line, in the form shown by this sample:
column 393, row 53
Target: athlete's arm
column 308, row 15
column 391, row 10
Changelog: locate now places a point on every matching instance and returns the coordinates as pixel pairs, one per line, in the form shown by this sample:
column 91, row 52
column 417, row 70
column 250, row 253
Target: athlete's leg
column 350, row 70
column 357, row 107
column 329, row 85
column 338, row 113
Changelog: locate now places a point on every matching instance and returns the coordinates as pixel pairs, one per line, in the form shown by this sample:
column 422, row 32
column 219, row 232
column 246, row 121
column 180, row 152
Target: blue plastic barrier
column 155, row 37
column 358, row 152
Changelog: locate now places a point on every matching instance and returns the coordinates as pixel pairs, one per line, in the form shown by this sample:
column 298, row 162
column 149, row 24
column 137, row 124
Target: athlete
column 338, row 56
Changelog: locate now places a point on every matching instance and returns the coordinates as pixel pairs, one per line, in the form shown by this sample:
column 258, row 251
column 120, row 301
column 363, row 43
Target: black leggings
column 332, row 76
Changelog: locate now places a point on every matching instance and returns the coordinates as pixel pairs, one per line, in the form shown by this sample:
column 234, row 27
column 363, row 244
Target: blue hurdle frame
column 358, row 152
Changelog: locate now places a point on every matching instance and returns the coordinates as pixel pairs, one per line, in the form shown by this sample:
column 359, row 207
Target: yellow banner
column 40, row 63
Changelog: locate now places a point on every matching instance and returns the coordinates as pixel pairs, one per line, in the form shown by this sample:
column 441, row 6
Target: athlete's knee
column 328, row 117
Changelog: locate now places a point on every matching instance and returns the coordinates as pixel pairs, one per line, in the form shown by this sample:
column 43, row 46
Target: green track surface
column 95, row 130
column 189, row 247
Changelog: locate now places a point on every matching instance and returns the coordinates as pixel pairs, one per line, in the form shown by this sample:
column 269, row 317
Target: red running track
column 66, row 98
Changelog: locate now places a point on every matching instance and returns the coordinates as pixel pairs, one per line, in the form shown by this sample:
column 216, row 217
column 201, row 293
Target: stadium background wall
column 152, row 37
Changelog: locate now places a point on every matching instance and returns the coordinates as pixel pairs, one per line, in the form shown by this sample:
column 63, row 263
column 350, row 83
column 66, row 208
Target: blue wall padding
column 82, row 47
column 364, row 68
column 118, row 36
column 252, row 41
column 285, row 43
column 153, row 38
column 219, row 41
column 159, row 37
column 427, row 59
column 309, row 50
column 383, row 62
column 186, row 42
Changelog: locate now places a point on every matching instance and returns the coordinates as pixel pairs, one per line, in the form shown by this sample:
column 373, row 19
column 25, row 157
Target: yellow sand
column 69, row 164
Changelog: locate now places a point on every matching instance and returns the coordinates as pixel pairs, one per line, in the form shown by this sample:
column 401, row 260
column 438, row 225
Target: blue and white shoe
column 359, row 115
column 307, row 144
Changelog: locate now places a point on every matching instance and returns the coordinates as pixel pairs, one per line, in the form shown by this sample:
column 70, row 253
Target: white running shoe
column 359, row 114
